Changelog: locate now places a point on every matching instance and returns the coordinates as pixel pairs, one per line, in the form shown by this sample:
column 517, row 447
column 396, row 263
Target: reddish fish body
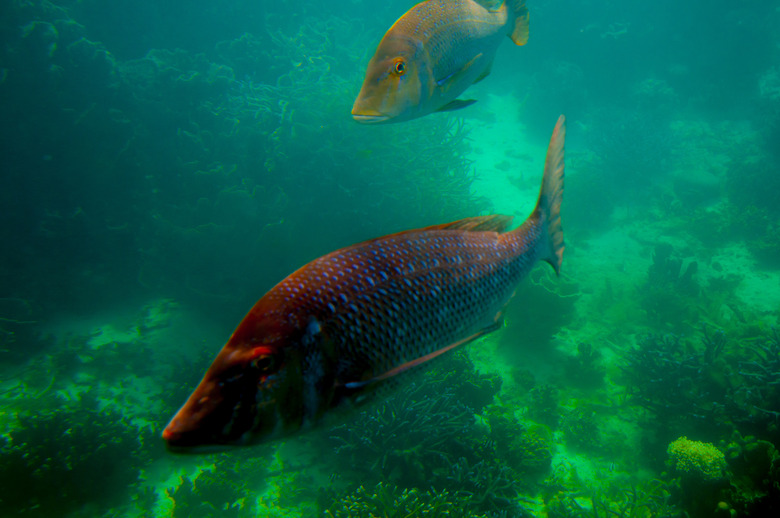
column 342, row 324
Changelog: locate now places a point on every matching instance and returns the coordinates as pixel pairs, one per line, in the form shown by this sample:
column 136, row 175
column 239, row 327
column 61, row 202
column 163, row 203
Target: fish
column 329, row 335
column 432, row 54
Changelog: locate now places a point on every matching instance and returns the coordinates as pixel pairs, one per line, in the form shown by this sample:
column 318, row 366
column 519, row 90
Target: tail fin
column 548, row 207
column 518, row 16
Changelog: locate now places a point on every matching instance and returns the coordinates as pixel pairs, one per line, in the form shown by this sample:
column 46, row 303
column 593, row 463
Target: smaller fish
column 432, row 54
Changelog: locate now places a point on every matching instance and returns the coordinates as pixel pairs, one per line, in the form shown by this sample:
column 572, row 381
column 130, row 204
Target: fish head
column 394, row 88
column 249, row 394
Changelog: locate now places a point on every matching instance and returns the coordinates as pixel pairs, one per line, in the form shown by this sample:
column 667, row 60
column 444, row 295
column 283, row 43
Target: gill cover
column 236, row 399
column 393, row 89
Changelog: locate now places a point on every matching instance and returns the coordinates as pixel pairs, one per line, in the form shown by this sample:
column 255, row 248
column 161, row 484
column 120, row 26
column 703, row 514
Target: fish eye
column 400, row 67
column 264, row 363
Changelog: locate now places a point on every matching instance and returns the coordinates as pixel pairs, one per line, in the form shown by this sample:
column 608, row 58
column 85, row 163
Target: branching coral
column 427, row 414
column 533, row 449
column 488, row 484
column 668, row 378
column 543, row 404
column 650, row 499
column 580, row 429
column 411, row 432
column 207, row 495
column 585, row 369
column 527, row 448
column 388, row 501
column 54, row 460
column 427, row 435
column 755, row 403
column 669, row 295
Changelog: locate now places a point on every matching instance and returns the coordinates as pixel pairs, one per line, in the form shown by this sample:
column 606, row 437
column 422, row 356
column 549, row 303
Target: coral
column 649, row 499
column 54, row 459
column 543, row 404
column 755, row 402
column 670, row 378
column 755, row 467
column 255, row 126
column 388, row 501
column 420, row 428
column 585, row 369
column 669, row 297
column 528, row 449
column 489, row 484
column 533, row 448
column 697, row 459
column 426, row 435
column 207, row 495
column 580, row 429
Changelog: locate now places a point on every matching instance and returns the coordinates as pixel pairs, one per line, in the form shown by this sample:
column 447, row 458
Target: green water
column 164, row 164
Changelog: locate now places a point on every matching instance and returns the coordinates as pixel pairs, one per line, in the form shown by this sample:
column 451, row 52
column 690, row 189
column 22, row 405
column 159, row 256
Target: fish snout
column 363, row 112
column 368, row 116
column 199, row 421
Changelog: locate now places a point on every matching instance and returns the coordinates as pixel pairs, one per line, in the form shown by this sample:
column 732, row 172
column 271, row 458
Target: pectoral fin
column 454, row 77
column 419, row 361
column 484, row 74
column 457, row 104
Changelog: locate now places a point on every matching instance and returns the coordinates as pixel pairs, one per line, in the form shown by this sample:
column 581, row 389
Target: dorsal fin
column 493, row 222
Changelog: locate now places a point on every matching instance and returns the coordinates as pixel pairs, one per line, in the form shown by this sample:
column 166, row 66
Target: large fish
column 433, row 53
column 343, row 324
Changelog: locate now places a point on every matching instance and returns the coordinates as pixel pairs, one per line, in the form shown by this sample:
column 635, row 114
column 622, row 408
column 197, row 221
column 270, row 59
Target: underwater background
column 165, row 163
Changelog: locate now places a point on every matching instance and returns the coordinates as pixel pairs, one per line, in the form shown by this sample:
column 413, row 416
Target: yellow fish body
column 432, row 54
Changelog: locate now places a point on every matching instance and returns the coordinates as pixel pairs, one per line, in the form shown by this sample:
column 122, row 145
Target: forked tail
column 548, row 207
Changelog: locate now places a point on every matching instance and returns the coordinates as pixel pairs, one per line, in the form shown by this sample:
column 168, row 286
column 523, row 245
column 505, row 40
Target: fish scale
column 428, row 276
column 341, row 326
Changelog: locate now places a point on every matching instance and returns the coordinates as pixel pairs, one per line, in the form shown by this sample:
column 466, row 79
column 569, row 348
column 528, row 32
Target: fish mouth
column 191, row 441
column 369, row 119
